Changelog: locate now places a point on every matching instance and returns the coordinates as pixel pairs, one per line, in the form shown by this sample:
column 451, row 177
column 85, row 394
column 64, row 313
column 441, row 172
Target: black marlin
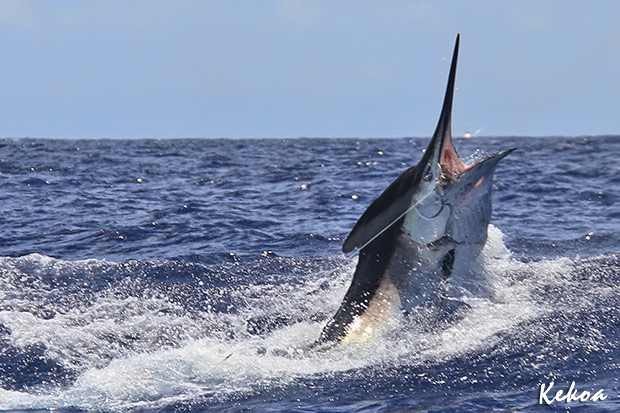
column 430, row 221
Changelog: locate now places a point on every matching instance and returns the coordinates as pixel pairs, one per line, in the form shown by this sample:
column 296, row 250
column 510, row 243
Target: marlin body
column 428, row 225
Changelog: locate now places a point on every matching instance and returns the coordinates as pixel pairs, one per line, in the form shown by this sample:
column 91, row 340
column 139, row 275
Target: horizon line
column 73, row 138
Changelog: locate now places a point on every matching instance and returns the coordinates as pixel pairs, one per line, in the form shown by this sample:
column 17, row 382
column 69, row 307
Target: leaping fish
column 431, row 220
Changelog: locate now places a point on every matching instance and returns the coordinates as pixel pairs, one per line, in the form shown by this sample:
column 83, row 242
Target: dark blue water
column 186, row 274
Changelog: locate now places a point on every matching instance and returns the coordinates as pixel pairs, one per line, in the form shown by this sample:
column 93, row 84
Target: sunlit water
column 193, row 274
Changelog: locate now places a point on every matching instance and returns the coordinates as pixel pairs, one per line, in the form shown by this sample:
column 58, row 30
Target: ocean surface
column 189, row 275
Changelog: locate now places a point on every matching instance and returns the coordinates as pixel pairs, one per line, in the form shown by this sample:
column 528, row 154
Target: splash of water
column 131, row 345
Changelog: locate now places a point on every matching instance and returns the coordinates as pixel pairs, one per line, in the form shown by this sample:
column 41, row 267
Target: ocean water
column 189, row 275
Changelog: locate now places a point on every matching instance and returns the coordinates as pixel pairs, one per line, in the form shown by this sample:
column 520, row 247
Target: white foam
column 195, row 361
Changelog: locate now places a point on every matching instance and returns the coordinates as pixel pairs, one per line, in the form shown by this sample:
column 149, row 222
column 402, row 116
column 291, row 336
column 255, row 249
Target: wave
column 103, row 335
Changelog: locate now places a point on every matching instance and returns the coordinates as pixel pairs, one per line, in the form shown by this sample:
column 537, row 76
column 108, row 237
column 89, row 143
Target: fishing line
column 390, row 224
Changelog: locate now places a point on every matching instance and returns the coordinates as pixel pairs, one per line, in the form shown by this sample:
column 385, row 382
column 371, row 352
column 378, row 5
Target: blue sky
column 291, row 68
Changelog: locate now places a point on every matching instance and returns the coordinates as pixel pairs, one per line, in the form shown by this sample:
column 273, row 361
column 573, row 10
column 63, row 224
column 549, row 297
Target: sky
column 306, row 68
